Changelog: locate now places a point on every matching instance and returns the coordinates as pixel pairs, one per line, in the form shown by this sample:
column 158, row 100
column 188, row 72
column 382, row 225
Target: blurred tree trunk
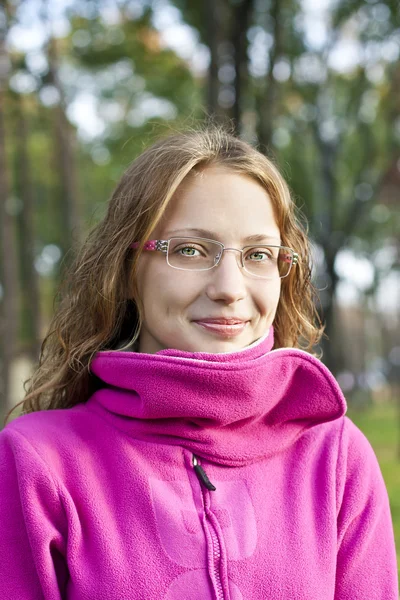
column 211, row 15
column 70, row 225
column 267, row 99
column 241, row 21
column 324, row 220
column 29, row 280
column 330, row 345
column 8, row 266
column 227, row 24
column 70, row 221
column 225, row 42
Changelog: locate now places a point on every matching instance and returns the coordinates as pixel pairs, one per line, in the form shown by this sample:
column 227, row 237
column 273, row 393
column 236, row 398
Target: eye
column 260, row 255
column 188, row 251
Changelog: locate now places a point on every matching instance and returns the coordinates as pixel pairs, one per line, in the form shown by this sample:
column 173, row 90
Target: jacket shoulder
column 49, row 428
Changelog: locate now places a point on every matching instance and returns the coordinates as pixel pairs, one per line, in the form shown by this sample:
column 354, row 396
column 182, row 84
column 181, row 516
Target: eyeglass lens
column 199, row 255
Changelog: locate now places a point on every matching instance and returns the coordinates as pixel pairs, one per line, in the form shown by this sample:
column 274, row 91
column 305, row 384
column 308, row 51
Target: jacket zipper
column 219, row 592
column 216, row 547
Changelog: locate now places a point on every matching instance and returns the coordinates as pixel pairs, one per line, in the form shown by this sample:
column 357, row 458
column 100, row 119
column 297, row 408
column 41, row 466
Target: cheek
column 163, row 290
column 267, row 299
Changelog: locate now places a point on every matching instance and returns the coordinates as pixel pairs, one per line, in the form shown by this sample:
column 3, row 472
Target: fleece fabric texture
column 110, row 500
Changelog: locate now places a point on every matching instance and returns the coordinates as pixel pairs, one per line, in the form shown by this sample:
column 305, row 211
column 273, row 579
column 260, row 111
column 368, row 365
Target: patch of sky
column 47, row 260
column 179, row 36
column 149, row 107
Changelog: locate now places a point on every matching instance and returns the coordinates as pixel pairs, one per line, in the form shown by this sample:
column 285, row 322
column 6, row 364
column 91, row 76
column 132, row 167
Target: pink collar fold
column 232, row 408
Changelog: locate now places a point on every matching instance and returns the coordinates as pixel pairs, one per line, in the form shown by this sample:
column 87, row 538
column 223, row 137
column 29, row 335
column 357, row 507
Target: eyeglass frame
column 163, row 246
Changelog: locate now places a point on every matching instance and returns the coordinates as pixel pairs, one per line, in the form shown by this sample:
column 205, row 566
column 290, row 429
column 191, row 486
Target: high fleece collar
column 233, row 408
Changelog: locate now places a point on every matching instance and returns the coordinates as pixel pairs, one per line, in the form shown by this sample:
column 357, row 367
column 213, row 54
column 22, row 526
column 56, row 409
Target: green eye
column 188, row 251
column 257, row 256
column 260, row 256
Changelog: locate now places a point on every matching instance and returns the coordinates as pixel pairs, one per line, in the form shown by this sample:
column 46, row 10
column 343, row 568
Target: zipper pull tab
column 202, row 475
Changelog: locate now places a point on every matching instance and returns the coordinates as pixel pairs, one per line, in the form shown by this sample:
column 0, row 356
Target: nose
column 227, row 279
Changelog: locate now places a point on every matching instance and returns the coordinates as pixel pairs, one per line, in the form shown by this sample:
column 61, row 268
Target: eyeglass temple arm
column 290, row 258
column 161, row 245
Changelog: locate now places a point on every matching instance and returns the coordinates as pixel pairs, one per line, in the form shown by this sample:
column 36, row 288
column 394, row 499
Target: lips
column 230, row 321
column 221, row 327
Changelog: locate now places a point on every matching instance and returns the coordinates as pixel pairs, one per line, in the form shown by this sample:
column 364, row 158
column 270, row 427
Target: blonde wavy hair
column 100, row 305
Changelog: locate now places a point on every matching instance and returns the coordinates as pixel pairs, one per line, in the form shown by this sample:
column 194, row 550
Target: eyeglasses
column 201, row 254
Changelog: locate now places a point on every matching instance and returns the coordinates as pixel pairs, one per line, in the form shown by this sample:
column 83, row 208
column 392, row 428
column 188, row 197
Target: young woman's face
column 178, row 305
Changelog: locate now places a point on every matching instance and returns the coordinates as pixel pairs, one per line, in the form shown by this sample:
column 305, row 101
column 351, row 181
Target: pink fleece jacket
column 196, row 477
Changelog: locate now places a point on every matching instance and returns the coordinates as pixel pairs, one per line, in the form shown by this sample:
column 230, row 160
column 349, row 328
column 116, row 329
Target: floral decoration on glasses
column 201, row 254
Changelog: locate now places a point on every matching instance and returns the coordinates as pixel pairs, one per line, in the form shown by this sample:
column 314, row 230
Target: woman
column 179, row 444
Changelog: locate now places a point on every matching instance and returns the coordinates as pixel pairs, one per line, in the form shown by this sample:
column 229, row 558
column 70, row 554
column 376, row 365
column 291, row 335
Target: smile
column 223, row 327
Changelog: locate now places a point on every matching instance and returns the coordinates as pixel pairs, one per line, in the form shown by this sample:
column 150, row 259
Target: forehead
column 223, row 201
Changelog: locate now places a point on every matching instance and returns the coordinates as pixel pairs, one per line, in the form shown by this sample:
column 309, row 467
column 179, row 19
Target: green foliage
column 162, row 72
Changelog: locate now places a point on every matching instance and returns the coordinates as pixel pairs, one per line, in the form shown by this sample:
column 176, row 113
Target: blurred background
column 86, row 85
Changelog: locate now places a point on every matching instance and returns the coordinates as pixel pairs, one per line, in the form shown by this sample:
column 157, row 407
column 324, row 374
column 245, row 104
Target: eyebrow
column 213, row 236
